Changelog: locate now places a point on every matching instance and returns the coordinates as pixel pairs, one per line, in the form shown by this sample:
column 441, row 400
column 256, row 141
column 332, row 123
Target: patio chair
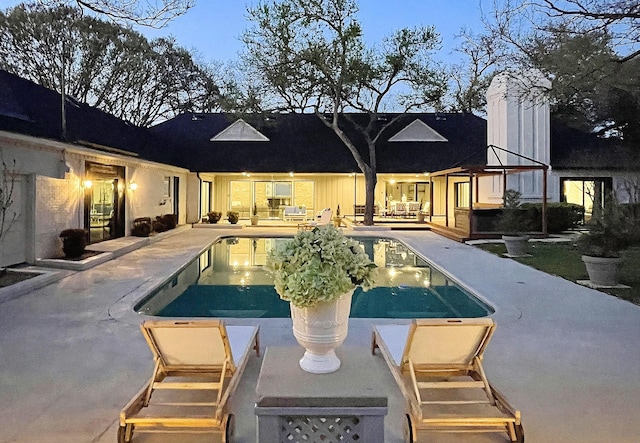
column 198, row 365
column 437, row 364
column 324, row 218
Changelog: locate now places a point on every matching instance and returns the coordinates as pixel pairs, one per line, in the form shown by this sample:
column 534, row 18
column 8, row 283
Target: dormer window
column 239, row 131
column 418, row 131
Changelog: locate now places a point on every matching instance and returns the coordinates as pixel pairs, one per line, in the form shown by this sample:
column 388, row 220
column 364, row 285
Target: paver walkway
column 71, row 354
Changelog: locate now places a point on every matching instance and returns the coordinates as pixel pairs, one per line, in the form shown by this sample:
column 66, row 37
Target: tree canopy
column 589, row 49
column 105, row 65
column 309, row 55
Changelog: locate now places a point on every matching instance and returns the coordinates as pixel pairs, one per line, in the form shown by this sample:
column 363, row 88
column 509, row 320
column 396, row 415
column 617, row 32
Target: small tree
column 7, row 185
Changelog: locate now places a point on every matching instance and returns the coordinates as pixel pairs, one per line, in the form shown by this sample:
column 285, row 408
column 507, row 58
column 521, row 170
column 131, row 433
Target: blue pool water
column 230, row 280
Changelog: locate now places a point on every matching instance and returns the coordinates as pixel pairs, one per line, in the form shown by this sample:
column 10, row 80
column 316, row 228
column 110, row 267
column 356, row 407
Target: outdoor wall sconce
column 87, row 184
column 133, row 186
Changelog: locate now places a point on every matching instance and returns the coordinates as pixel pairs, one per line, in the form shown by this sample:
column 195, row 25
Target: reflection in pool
column 230, row 280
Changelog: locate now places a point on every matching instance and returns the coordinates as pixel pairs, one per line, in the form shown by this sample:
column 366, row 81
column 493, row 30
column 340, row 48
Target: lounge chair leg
column 125, row 433
column 374, row 345
column 519, row 434
column 409, row 434
column 229, row 429
column 256, row 346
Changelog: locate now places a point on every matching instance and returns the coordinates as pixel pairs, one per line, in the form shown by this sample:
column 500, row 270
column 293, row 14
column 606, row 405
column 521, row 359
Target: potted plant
column 254, row 215
column 74, row 242
column 317, row 273
column 420, row 215
column 213, row 216
column 233, row 217
column 513, row 224
column 337, row 220
column 602, row 244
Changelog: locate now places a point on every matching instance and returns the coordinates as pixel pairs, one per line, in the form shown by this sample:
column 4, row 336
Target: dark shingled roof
column 298, row 142
column 30, row 109
column 302, row 143
column 574, row 149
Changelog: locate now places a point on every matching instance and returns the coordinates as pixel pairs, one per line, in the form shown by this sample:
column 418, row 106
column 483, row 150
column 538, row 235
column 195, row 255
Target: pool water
column 230, row 280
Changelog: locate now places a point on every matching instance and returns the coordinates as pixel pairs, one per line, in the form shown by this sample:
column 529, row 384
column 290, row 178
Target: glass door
column 589, row 193
column 104, row 202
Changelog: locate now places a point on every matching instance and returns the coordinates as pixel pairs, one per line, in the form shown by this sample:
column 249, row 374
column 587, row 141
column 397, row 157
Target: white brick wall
column 57, row 208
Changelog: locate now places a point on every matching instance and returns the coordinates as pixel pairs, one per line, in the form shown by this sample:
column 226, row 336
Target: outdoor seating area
column 322, row 218
column 294, row 213
column 560, row 360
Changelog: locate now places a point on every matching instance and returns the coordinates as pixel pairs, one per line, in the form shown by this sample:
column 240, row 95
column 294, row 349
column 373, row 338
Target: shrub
column 158, row 225
column 608, row 234
column 73, row 242
column 233, row 217
column 214, row 216
column 169, row 220
column 141, row 227
column 560, row 216
column 514, row 219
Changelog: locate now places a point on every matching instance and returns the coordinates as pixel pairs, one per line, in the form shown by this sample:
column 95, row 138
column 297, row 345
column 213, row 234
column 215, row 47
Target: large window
column 303, row 196
column 462, row 195
column 240, row 200
column 589, row 193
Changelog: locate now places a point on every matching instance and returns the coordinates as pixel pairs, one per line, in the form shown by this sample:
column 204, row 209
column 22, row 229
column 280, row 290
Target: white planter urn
column 320, row 330
column 602, row 271
column 517, row 245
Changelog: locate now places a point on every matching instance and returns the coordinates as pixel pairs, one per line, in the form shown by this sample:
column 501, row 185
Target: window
column 462, row 194
column 205, row 198
column 167, row 187
column 589, row 193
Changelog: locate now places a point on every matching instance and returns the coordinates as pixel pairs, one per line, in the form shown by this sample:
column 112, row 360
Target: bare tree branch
column 152, row 13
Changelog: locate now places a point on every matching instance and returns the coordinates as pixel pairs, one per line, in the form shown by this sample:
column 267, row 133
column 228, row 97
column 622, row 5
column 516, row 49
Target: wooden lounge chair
column 324, row 218
column 437, row 364
column 197, row 367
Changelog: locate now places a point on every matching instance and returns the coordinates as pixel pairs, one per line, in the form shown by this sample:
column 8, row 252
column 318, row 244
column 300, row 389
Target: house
column 97, row 173
column 101, row 173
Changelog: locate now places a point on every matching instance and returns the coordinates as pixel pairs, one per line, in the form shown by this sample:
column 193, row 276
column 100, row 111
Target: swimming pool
column 230, row 280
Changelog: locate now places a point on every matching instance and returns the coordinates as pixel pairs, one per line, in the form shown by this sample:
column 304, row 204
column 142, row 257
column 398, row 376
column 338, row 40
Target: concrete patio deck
column 72, row 354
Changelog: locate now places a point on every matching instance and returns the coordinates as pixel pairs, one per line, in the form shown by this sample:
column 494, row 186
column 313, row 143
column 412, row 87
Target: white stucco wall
column 50, row 197
column 518, row 119
column 151, row 198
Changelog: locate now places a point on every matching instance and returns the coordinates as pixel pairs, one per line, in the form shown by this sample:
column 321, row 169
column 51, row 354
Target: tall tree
column 155, row 13
column 588, row 48
column 103, row 64
column 309, row 55
column 472, row 76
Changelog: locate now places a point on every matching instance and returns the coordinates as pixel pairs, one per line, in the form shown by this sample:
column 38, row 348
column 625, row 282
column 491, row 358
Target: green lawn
column 563, row 260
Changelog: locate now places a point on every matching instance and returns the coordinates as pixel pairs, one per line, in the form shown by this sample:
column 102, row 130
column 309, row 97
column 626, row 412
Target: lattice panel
column 330, row 429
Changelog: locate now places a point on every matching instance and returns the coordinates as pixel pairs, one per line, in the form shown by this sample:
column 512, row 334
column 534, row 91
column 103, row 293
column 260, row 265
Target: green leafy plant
column 608, row 234
column 233, row 217
column 513, row 221
column 319, row 266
